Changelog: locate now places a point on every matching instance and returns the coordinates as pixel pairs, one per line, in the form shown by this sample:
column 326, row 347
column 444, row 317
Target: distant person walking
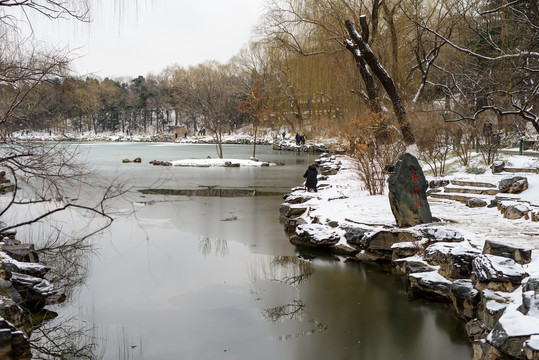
column 312, row 178
column 298, row 139
column 487, row 129
column 303, row 138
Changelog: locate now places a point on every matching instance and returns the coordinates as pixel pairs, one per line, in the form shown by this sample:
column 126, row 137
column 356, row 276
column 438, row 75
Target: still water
column 216, row 278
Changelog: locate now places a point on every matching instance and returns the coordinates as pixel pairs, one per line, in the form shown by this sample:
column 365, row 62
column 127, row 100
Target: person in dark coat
column 311, row 175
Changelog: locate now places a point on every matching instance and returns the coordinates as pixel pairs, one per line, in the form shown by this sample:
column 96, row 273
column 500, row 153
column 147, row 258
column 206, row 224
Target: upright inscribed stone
column 408, row 193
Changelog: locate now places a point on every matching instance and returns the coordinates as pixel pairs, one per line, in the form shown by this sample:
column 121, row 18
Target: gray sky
column 129, row 40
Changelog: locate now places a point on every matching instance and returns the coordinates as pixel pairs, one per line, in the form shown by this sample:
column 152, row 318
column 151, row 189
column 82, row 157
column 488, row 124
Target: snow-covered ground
column 346, row 199
column 342, row 200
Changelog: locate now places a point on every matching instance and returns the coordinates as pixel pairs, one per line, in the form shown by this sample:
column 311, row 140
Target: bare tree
column 208, row 90
column 498, row 45
column 253, row 103
column 361, row 49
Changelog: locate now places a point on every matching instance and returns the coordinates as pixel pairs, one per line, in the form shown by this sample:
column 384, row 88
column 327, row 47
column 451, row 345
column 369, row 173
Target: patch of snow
column 514, row 323
column 431, row 277
column 215, row 162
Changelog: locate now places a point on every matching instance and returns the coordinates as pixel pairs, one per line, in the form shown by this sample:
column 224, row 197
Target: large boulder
column 514, row 211
column 383, row 240
column 430, row 284
column 13, row 343
column 354, row 234
column 408, row 193
column 476, row 329
column 511, row 331
column 530, row 297
column 465, row 298
column 482, row 350
column 35, row 292
column 519, row 254
column 513, row 184
column 531, row 347
column 476, row 202
column 497, row 273
column 412, row 265
column 455, row 260
column 296, row 210
column 406, row 249
column 492, row 306
column 296, row 198
column 441, row 234
column 315, row 235
column 23, row 252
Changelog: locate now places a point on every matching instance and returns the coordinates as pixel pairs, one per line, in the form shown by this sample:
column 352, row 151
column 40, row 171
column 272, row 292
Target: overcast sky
column 128, row 40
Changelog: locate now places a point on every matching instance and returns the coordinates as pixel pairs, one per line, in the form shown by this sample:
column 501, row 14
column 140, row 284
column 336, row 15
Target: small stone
column 476, row 202
column 497, row 167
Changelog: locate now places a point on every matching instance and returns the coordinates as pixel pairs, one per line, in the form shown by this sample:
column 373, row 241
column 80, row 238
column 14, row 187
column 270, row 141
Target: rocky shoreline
column 495, row 289
column 24, row 292
column 277, row 144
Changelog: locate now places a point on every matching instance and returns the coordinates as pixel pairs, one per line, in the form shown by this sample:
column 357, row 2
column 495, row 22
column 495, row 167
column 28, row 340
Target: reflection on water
column 65, row 339
column 176, row 281
column 288, row 270
column 207, row 246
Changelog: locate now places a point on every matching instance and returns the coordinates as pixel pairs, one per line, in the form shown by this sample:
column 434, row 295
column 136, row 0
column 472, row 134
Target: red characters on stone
column 417, row 200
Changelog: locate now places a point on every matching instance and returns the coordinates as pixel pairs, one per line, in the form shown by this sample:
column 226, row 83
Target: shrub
column 475, row 170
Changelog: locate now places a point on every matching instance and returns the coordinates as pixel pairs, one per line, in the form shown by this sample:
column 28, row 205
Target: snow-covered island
column 483, row 260
column 220, row 163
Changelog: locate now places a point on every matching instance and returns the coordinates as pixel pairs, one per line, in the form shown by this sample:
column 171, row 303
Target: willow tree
column 311, row 76
column 317, row 32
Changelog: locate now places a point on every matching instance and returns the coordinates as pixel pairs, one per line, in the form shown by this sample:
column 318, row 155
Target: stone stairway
column 463, row 190
column 512, row 207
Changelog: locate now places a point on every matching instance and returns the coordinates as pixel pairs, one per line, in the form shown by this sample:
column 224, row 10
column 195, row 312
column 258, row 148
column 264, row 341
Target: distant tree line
column 320, row 64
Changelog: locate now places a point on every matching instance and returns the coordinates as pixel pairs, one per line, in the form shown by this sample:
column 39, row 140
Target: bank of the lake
column 481, row 261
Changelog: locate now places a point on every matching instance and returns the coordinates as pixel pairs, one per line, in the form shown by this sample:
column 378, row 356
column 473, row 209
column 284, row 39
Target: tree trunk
column 388, row 84
column 254, row 147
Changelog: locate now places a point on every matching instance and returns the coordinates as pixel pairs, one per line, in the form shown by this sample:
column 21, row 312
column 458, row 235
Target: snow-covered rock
column 413, row 264
column 430, row 283
column 441, row 234
column 513, row 184
column 512, row 330
column 520, row 254
column 454, row 259
column 465, row 298
column 316, row 234
column 531, row 347
column 383, row 240
column 35, row 292
column 354, row 234
column 497, row 273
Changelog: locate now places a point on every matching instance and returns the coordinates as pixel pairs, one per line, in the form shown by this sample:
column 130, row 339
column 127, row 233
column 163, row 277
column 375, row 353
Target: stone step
column 522, row 170
column 454, row 197
column 477, row 191
column 473, row 183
